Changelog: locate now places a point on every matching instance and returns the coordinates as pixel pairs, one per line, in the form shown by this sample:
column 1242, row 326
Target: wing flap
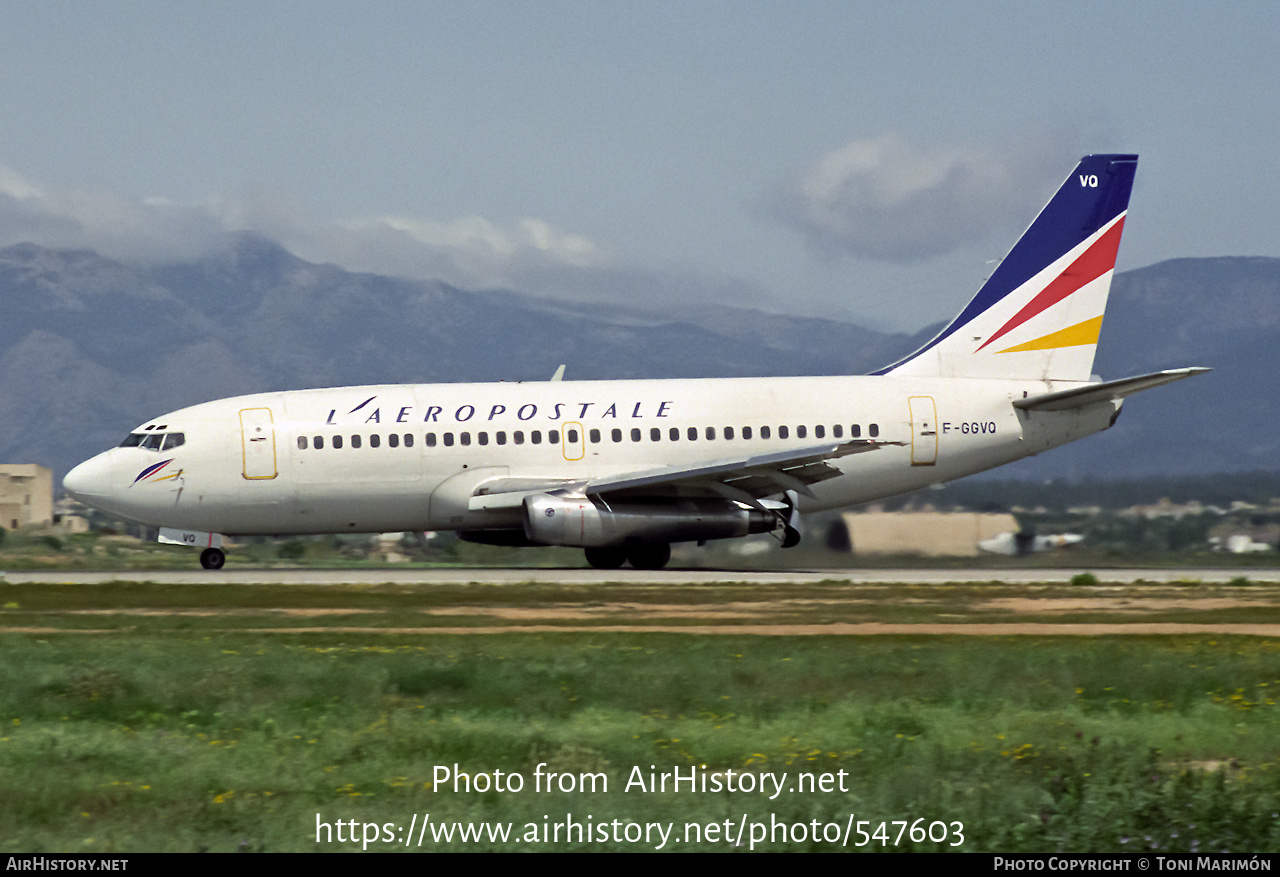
column 778, row 468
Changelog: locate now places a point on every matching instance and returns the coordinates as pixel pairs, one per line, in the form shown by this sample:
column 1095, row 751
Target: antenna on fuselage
column 559, row 375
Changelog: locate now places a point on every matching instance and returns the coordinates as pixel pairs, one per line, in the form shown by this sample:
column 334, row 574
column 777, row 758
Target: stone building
column 26, row 495
column 931, row 534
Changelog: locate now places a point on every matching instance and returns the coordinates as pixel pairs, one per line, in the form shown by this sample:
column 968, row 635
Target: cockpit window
column 154, row 441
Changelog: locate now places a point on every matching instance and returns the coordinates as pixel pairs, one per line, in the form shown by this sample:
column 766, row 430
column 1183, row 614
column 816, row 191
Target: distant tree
column 294, row 549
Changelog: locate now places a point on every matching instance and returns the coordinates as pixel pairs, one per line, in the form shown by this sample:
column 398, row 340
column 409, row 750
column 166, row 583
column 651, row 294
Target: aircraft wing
column 745, row 479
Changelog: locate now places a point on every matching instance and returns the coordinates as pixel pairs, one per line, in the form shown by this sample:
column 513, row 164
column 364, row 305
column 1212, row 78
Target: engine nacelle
column 587, row 522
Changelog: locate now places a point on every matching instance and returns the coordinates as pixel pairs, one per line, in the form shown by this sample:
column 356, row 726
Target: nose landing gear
column 213, row 558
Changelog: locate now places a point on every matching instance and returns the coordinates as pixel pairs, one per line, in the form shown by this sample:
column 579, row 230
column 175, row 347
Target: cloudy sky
column 862, row 160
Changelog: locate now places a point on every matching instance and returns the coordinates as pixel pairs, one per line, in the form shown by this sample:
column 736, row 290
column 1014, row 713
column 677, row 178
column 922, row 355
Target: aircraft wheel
column 651, row 555
column 213, row 558
column 605, row 557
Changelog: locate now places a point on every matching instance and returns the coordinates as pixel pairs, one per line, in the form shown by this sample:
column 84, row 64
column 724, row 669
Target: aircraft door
column 573, row 442
column 258, row 443
column 924, row 431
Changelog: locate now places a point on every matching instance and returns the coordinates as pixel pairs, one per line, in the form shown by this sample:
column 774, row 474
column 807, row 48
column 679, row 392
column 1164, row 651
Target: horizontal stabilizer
column 1108, row 391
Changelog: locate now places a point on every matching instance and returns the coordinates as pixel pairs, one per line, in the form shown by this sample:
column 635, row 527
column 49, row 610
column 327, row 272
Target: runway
column 852, row 602
column 493, row 576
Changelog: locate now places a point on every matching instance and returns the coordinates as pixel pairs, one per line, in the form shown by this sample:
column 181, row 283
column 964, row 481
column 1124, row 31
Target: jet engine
column 586, row 522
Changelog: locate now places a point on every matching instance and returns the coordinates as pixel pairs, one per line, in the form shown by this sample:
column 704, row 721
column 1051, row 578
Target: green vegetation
column 165, row 731
column 1223, row 489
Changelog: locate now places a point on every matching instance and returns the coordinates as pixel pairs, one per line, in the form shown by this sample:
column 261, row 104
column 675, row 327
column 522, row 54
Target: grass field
column 138, row 717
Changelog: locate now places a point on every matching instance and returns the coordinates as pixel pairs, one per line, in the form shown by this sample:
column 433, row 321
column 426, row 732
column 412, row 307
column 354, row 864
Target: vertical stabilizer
column 1039, row 314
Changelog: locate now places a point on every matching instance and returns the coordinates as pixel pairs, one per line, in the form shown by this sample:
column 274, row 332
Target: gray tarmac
column 662, row 577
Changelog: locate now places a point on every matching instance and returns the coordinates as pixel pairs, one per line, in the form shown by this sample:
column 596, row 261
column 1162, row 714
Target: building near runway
column 26, row 495
column 929, row 534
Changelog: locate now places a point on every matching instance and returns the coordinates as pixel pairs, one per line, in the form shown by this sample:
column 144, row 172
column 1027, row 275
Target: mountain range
column 89, row 347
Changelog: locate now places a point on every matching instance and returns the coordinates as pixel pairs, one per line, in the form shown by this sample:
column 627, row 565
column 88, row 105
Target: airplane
column 623, row 469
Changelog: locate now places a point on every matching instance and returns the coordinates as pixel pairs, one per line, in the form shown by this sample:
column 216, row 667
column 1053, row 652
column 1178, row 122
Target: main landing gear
column 213, row 558
column 643, row 555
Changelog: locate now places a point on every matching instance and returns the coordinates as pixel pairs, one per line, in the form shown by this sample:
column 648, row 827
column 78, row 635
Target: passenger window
column 318, row 441
column 595, row 436
column 616, row 435
column 518, row 437
column 693, row 433
column 711, row 433
column 655, row 434
column 873, row 430
column 464, row 439
column 355, row 441
column 746, row 432
column 173, row 440
column 573, row 437
column 448, row 439
column 635, row 433
column 801, row 432
column 483, row 438
column 337, row 442
column 764, row 432
column 675, row 434
column 783, row 432
column 302, row 442
column 431, row 439
column 855, row 430
column 375, row 441
column 728, row 433
column 501, row 437
column 393, row 440
column 536, row 436
column 838, row 430
column 553, row 437
column 819, row 431
column 408, row 439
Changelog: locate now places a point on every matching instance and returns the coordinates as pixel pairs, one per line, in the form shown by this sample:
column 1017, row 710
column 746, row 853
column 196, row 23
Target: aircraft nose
column 89, row 481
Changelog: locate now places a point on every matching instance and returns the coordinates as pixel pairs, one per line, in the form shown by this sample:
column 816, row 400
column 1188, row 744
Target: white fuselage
column 413, row 457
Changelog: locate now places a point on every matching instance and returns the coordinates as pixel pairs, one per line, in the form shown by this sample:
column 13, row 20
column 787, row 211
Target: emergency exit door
column 258, row 443
column 573, row 442
column 924, row 431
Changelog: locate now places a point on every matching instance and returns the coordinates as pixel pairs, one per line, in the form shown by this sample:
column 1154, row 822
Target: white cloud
column 470, row 252
column 883, row 198
column 111, row 224
column 482, row 251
